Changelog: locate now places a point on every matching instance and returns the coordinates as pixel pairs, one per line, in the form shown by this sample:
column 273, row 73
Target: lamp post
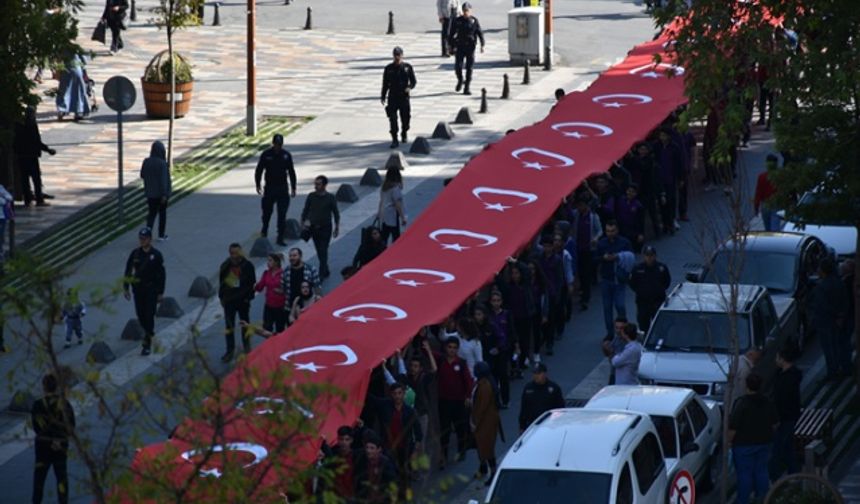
column 547, row 23
column 251, row 112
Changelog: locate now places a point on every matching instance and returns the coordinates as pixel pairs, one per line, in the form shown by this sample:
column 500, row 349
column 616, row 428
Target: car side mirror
column 689, row 448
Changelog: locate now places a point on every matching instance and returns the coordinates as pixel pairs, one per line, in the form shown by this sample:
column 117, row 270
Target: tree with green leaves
column 33, row 33
column 806, row 52
column 174, row 15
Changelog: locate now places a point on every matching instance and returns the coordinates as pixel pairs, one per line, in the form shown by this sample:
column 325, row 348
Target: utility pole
column 251, row 112
column 547, row 24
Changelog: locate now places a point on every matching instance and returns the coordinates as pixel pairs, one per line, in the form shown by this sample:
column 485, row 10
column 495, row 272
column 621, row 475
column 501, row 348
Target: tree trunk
column 856, row 301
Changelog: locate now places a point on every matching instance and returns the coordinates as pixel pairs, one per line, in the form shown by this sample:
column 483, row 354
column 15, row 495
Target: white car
column 579, row 456
column 841, row 236
column 689, row 341
column 689, row 427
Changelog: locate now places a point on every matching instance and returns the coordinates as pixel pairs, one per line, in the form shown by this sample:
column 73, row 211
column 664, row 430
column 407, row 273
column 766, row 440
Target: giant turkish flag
column 493, row 207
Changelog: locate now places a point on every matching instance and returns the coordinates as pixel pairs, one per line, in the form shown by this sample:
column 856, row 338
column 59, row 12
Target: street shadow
column 111, row 118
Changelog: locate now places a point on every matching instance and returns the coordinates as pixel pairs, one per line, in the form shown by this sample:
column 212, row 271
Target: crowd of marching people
column 453, row 380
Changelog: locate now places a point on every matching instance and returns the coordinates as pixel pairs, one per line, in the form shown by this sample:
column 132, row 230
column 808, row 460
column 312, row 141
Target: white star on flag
column 535, row 166
column 454, row 246
column 358, row 318
column 410, row 283
column 613, row 105
column 575, row 134
column 650, row 75
column 495, row 206
column 210, row 472
column 308, row 366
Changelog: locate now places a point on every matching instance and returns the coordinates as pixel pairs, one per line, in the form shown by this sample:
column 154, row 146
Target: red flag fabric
column 491, row 209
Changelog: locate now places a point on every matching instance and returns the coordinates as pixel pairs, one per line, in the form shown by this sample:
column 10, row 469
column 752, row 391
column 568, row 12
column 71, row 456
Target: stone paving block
column 201, row 288
column 443, row 131
column 169, row 308
column 397, row 160
column 262, row 247
column 420, row 146
column 464, row 116
column 346, row 194
column 100, row 353
column 133, row 331
column 371, row 178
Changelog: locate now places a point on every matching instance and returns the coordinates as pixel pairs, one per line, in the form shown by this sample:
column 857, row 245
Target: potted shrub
column 156, row 86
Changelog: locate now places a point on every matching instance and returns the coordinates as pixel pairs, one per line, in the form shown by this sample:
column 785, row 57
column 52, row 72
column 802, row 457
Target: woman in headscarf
column 72, row 95
column 157, row 187
column 485, row 419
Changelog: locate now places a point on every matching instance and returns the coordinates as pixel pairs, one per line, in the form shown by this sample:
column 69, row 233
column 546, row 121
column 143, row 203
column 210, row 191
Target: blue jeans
column 751, row 463
column 613, row 294
column 770, row 219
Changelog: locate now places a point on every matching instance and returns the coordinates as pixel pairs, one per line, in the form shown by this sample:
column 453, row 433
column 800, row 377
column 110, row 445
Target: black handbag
column 305, row 234
column 99, row 32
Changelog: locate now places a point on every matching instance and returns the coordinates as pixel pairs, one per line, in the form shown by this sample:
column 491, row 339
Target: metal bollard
column 526, row 77
column 506, row 89
column 308, row 23
column 133, row 15
column 390, row 23
column 483, row 101
column 216, row 21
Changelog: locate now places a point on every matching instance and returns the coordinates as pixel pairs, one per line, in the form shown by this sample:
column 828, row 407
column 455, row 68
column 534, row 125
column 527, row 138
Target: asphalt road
column 587, row 33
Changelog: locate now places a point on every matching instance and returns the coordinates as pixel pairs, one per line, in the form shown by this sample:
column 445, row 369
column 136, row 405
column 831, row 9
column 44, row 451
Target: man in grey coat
column 156, row 186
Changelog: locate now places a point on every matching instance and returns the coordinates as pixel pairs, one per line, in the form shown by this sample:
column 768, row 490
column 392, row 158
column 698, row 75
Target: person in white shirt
column 626, row 362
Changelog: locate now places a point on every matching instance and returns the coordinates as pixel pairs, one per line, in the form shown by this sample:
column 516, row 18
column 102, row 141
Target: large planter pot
column 156, row 98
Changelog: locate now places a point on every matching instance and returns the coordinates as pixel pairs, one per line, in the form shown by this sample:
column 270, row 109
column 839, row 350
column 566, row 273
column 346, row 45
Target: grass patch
column 96, row 225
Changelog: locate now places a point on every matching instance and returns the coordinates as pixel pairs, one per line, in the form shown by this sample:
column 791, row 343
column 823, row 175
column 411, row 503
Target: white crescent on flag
column 487, row 239
column 398, row 313
column 562, row 128
column 259, row 452
column 442, row 277
column 348, row 355
column 652, row 70
column 535, row 165
column 526, row 197
column 640, row 99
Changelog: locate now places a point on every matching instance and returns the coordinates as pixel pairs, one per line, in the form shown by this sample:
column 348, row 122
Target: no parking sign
column 683, row 488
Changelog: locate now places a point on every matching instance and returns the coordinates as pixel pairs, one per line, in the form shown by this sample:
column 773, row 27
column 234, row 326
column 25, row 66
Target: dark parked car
column 785, row 263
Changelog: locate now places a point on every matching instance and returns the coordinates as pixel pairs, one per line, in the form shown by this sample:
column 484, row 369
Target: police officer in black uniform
column 539, row 396
column 278, row 165
column 145, row 278
column 649, row 280
column 465, row 33
column 398, row 80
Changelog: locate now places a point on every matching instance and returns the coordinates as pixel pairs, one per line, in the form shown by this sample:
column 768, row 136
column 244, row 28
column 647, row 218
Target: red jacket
column 764, row 189
column 271, row 281
column 454, row 379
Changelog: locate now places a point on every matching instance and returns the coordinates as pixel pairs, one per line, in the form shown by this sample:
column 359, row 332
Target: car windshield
column 692, row 331
column 777, row 272
column 516, row 486
column 817, row 198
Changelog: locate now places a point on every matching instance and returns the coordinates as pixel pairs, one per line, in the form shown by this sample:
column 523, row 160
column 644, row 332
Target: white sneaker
column 537, row 358
column 163, row 238
column 676, row 225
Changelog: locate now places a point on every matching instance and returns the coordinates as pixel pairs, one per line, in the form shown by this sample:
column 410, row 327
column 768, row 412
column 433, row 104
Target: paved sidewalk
column 299, row 73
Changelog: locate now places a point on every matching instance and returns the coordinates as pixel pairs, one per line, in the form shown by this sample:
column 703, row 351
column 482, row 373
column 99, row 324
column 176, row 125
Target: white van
column 578, row 456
